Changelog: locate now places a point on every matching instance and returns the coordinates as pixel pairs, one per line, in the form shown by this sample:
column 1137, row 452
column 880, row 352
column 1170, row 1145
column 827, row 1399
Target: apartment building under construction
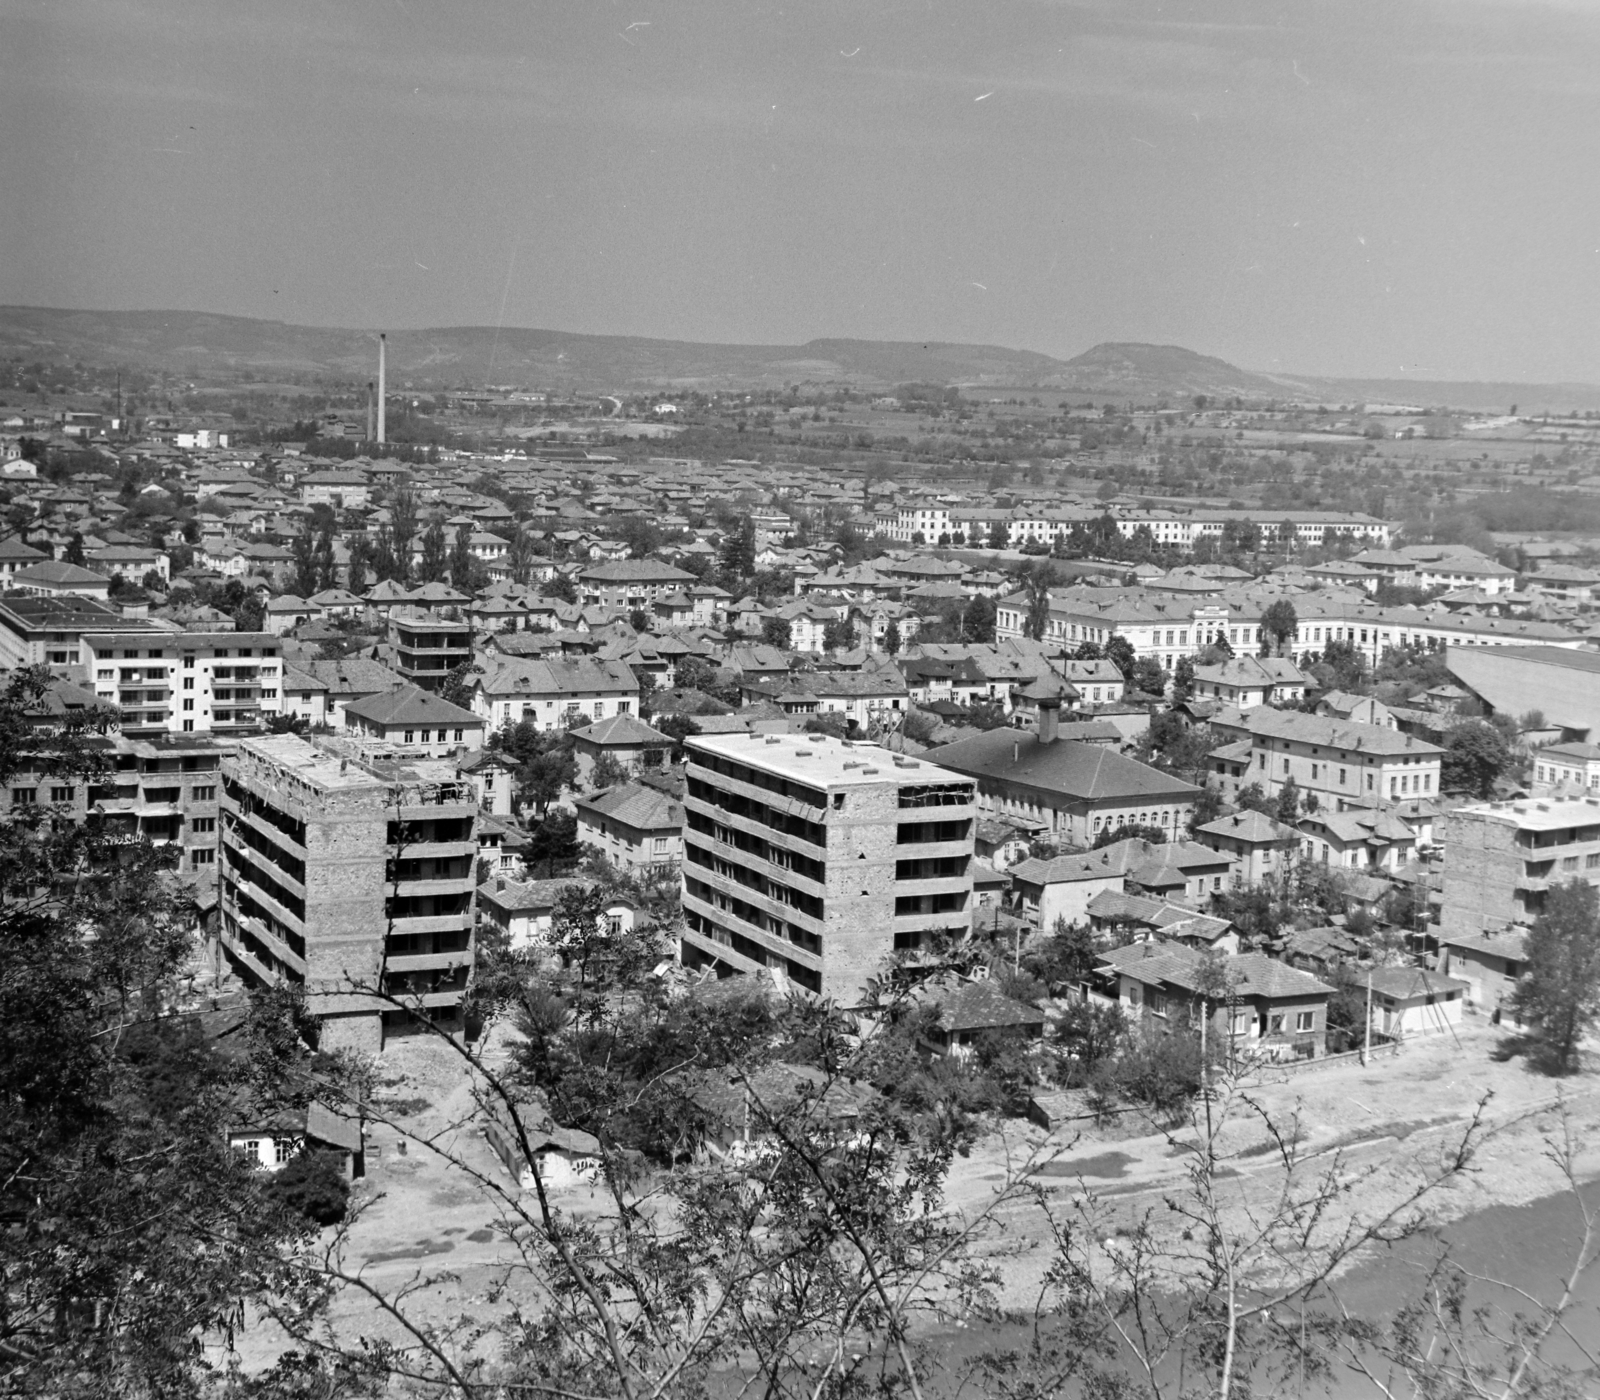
column 815, row 858
column 349, row 872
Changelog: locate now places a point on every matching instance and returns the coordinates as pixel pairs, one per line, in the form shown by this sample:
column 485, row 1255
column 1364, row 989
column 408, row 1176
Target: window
column 251, row 1148
column 623, row 707
column 204, row 856
column 1157, row 1003
column 283, row 1149
column 1275, row 1023
column 188, row 682
column 188, row 704
column 1305, row 1020
column 411, row 736
column 1344, row 774
column 658, row 844
column 24, row 797
column 461, row 734
column 63, row 794
column 188, row 726
column 205, row 794
column 109, row 675
column 599, row 709
column 202, row 825
column 188, row 658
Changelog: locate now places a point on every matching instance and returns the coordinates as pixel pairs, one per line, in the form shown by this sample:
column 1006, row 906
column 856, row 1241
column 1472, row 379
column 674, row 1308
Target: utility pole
column 1366, row 1043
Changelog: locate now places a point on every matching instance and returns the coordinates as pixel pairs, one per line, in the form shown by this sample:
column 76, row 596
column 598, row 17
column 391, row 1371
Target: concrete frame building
column 818, row 858
column 343, row 869
column 1501, row 857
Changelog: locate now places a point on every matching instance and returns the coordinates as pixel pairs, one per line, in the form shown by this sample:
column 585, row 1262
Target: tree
column 1119, row 652
column 1037, row 583
column 639, row 620
column 463, row 562
column 1475, row 755
column 1287, row 809
column 1558, row 996
column 776, row 632
column 313, row 1185
column 435, row 561
column 977, row 619
column 250, row 613
column 303, row 575
column 676, row 727
column 1208, row 806
column 891, row 638
column 360, row 562
column 384, row 564
column 561, row 588
column 520, row 557
column 839, row 634
column 738, row 557
column 402, row 531
column 1148, row 676
column 131, row 1227
column 607, row 772
column 74, row 550
column 327, row 561
column 1183, row 679
column 999, row 533
column 457, row 686
column 1279, row 623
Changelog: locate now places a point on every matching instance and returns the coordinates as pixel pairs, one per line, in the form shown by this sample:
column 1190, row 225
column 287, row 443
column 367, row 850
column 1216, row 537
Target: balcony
column 810, row 947
column 427, row 962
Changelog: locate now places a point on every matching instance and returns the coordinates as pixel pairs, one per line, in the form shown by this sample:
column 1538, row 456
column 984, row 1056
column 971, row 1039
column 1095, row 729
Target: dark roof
column 410, row 705
column 1092, row 772
column 637, row 805
column 975, row 1006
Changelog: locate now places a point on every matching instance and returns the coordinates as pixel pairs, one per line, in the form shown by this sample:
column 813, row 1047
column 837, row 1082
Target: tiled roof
column 410, row 705
column 637, row 805
column 1091, row 772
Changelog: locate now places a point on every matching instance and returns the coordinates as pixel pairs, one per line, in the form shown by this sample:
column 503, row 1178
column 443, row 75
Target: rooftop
column 819, row 760
column 1537, row 814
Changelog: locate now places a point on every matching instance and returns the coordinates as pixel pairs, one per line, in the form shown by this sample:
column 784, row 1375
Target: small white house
column 566, row 1157
column 1410, row 1001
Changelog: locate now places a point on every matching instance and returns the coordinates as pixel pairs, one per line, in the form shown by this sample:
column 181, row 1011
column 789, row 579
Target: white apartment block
column 186, row 682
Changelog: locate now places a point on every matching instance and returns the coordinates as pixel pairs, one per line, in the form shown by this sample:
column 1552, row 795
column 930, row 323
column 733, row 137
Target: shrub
column 312, row 1184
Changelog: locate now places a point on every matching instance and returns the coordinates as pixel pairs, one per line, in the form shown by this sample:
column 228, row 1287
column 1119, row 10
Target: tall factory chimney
column 369, row 410
column 383, row 346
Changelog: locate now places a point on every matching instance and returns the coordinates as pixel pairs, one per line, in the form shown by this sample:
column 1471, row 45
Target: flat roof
column 1538, row 813
column 332, row 765
column 822, row 761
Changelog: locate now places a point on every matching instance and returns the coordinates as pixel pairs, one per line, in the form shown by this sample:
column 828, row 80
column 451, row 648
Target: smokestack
column 369, row 410
column 1049, row 718
column 383, row 347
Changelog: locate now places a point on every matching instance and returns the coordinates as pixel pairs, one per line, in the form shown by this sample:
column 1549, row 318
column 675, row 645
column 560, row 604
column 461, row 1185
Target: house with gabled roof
column 1257, row 1004
column 637, row 827
column 416, row 722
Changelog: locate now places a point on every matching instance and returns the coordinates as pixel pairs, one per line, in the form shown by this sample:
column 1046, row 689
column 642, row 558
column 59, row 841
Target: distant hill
column 1144, row 372
column 197, row 344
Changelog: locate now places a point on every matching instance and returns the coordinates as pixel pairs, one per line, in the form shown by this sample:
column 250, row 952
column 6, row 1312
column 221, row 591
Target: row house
column 1344, row 764
column 553, row 692
column 186, row 682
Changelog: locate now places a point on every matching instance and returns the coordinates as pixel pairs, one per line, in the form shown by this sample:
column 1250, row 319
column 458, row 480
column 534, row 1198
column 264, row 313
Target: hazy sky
column 1344, row 188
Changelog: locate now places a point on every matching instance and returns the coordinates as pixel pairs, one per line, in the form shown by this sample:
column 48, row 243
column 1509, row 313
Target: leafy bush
column 312, row 1184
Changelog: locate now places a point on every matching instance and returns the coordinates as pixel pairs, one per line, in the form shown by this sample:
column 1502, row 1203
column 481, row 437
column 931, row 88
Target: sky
column 1342, row 187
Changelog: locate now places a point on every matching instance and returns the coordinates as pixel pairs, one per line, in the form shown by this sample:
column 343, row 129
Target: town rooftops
column 1537, row 814
column 638, row 805
column 245, row 643
column 1091, row 772
column 636, row 571
column 1403, row 983
column 56, row 571
column 621, row 731
column 1295, row 726
column 410, row 704
column 1249, row 826
column 339, row 765
column 818, row 759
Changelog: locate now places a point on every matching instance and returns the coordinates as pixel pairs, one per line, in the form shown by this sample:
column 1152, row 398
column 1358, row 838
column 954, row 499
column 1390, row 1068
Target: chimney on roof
column 1049, row 718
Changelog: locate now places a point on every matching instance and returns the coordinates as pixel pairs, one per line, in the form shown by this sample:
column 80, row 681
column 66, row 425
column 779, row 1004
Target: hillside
column 196, row 345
